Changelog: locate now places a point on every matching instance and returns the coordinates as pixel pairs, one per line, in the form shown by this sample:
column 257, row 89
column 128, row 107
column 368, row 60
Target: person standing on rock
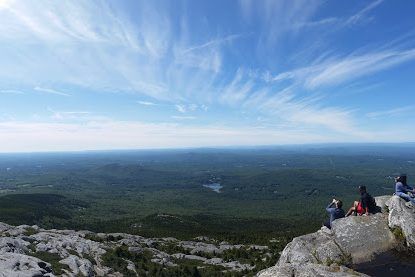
column 365, row 206
column 335, row 211
column 402, row 189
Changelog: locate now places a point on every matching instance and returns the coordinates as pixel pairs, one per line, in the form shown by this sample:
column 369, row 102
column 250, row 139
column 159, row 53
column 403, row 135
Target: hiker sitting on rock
column 365, row 206
column 402, row 189
column 335, row 212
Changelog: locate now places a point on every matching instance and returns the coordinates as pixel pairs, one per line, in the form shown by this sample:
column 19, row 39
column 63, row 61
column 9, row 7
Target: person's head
column 401, row 178
column 339, row 204
column 362, row 189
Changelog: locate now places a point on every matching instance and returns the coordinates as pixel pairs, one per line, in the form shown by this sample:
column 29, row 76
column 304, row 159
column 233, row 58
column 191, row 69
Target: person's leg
column 327, row 224
column 353, row 208
column 350, row 211
column 406, row 197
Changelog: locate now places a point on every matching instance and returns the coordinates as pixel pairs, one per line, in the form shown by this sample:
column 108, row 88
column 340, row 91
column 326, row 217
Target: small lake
column 214, row 186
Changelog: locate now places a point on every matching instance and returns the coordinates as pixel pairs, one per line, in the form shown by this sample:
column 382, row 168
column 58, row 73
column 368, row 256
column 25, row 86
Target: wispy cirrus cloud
column 353, row 67
column 181, row 117
column 288, row 105
column 51, row 91
column 11, row 91
column 109, row 53
column 362, row 14
column 335, row 70
column 146, row 103
column 194, row 67
column 402, row 111
column 238, row 89
column 213, row 43
column 184, row 108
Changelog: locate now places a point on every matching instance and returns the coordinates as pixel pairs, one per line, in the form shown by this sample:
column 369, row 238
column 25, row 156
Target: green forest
column 268, row 196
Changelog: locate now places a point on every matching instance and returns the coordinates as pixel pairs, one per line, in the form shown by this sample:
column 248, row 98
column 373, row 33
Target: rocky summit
column 33, row 251
column 351, row 241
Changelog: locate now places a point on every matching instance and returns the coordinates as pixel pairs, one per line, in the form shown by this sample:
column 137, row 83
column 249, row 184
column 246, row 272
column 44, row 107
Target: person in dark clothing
column 335, row 211
column 403, row 190
column 365, row 206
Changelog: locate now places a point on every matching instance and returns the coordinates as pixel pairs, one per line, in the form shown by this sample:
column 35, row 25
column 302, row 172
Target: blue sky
column 78, row 75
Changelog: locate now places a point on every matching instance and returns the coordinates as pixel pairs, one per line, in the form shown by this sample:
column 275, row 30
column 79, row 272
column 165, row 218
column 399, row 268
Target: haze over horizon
column 83, row 75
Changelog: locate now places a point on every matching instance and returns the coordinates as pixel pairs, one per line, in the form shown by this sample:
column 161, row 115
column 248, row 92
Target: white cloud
column 65, row 45
column 335, row 70
column 51, row 91
column 186, row 108
column 362, row 13
column 237, row 90
column 71, row 115
column 212, row 43
column 180, row 108
column 146, row 103
column 18, row 136
column 11, row 91
column 392, row 112
column 66, row 21
column 183, row 117
column 353, row 67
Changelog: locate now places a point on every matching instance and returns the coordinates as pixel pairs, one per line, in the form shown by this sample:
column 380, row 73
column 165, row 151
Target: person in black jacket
column 365, row 206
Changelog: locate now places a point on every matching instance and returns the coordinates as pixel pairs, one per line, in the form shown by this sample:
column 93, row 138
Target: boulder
column 15, row 245
column 79, row 266
column 308, row 270
column 381, row 202
column 403, row 217
column 364, row 236
column 19, row 265
column 4, row 227
column 318, row 247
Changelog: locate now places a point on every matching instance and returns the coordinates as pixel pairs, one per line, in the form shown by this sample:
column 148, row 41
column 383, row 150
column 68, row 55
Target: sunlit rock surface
column 364, row 236
column 403, row 217
column 352, row 240
column 33, row 251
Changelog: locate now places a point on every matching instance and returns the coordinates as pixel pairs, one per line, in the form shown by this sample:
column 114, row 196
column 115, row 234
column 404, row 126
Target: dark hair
column 401, row 178
column 362, row 188
column 339, row 204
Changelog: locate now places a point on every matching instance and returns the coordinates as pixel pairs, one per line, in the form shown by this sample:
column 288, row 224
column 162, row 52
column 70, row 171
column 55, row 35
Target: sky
column 83, row 75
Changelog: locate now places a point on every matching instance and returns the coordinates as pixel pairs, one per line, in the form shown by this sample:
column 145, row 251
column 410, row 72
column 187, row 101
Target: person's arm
column 330, row 207
column 401, row 187
column 407, row 188
column 365, row 205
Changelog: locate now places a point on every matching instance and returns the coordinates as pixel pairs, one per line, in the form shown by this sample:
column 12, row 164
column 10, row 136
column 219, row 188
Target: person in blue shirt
column 335, row 211
column 402, row 189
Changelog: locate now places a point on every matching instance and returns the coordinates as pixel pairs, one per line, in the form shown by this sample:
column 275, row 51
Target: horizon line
column 207, row 147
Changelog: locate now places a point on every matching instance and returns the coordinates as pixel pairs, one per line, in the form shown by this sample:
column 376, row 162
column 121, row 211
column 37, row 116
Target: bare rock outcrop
column 20, row 265
column 403, row 217
column 370, row 231
column 351, row 241
column 33, row 251
column 316, row 247
column 309, row 269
